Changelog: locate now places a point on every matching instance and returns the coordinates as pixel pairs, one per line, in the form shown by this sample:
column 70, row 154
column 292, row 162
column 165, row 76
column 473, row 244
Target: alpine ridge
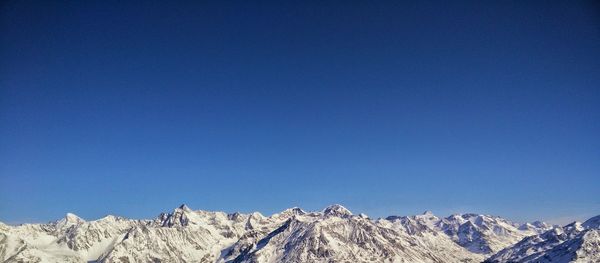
column 334, row 234
column 575, row 242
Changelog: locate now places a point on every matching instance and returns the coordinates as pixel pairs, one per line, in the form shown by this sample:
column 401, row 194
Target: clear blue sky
column 385, row 107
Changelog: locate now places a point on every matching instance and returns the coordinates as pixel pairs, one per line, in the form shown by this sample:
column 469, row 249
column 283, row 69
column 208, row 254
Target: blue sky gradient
column 386, row 107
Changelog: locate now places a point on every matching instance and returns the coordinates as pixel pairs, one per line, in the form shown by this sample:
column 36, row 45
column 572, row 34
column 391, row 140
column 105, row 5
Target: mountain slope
column 575, row 242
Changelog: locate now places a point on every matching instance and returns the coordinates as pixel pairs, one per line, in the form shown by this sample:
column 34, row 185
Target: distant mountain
column 575, row 242
column 293, row 235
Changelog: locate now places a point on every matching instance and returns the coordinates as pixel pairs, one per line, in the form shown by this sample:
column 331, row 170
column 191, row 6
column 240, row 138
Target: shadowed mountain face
column 575, row 242
column 294, row 235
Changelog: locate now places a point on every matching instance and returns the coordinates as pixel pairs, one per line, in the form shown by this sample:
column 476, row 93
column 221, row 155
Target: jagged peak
column 184, row 207
column 427, row 216
column 236, row 216
column 112, row 218
column 469, row 215
column 294, row 210
column 179, row 217
column 337, row 210
column 290, row 212
column 257, row 215
column 454, row 216
column 427, row 213
column 539, row 224
column 70, row 217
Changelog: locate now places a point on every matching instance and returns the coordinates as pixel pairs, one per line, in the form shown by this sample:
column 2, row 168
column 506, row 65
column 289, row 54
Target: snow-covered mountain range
column 294, row 235
column 575, row 242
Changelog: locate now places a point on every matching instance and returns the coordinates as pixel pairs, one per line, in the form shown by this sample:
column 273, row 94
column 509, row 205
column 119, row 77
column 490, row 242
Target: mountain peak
column 337, row 210
column 70, row 217
column 111, row 218
column 290, row 212
column 540, row 224
column 294, row 211
column 184, row 207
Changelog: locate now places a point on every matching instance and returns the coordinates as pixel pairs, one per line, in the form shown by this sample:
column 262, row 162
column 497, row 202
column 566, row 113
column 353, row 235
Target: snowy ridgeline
column 333, row 235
